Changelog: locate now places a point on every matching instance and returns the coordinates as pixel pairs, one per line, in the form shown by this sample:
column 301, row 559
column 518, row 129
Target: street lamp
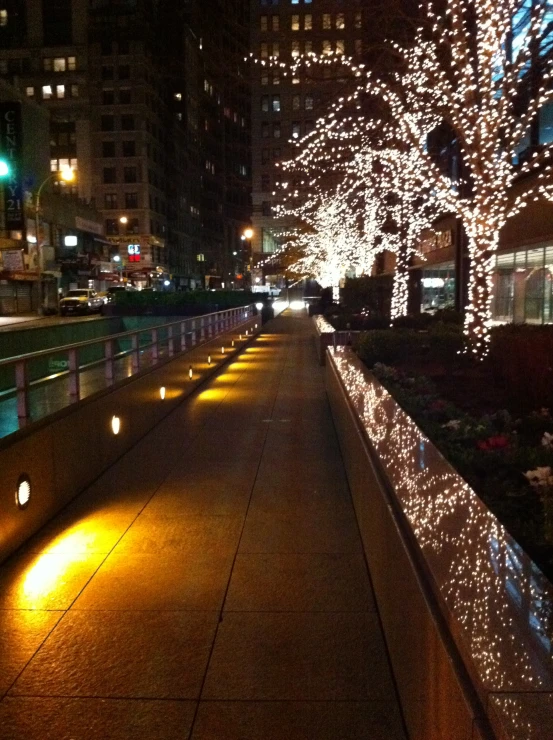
column 247, row 237
column 67, row 174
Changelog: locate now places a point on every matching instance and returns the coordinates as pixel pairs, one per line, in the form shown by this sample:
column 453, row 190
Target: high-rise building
column 285, row 107
column 148, row 100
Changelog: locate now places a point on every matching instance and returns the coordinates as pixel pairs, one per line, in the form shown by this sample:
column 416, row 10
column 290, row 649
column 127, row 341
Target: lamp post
column 247, row 237
column 67, row 175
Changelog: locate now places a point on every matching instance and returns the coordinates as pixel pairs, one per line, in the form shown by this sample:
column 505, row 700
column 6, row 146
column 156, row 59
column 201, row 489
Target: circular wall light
column 23, row 491
column 115, row 424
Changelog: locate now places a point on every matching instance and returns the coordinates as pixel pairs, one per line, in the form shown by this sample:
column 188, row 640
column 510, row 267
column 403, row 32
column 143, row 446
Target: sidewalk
column 211, row 585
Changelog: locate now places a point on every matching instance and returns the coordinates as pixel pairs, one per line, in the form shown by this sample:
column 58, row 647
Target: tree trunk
column 478, row 315
column 400, row 291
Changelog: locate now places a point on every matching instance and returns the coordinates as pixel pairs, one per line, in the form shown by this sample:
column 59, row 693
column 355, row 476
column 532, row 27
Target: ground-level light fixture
column 115, row 424
column 232, row 343
column 209, row 359
column 190, row 373
column 162, row 393
column 222, row 350
column 23, row 491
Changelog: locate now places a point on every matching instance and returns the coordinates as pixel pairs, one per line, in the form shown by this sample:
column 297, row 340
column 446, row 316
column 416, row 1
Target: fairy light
column 471, row 80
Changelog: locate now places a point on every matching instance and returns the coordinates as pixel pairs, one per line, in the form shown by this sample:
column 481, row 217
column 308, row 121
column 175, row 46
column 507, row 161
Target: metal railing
column 175, row 337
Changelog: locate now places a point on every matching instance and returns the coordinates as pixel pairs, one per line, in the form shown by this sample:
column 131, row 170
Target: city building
column 284, row 107
column 145, row 106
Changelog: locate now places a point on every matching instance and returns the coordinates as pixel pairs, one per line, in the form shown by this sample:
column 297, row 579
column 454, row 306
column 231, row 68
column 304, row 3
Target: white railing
column 164, row 340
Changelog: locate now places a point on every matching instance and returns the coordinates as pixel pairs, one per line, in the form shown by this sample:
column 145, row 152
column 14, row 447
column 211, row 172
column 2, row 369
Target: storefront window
column 438, row 288
column 523, row 286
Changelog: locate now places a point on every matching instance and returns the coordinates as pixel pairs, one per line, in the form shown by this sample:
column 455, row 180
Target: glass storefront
column 523, row 286
column 438, row 288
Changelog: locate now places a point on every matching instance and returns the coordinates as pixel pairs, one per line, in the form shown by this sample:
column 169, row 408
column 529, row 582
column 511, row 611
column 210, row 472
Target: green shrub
column 150, row 298
column 440, row 345
column 521, row 360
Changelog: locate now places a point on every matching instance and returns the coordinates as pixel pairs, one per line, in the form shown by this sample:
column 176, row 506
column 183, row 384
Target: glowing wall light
column 190, row 373
column 222, row 350
column 23, row 491
column 232, row 343
column 115, row 424
column 162, row 393
column 209, row 359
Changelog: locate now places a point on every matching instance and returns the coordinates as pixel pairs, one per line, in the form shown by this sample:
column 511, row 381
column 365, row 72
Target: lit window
column 327, row 21
column 178, row 96
column 54, row 165
column 275, row 22
column 295, row 23
column 71, row 63
column 264, row 21
column 340, row 21
column 73, row 164
column 74, row 91
column 276, row 50
column 60, row 92
column 3, row 17
column 60, row 64
column 295, row 80
column 47, row 64
column 308, row 22
column 276, row 78
column 340, row 46
column 295, row 48
column 327, row 47
column 276, row 103
column 264, row 51
column 295, row 102
column 264, row 79
column 309, row 102
column 358, row 20
column 46, row 92
column 30, row 92
column 295, row 129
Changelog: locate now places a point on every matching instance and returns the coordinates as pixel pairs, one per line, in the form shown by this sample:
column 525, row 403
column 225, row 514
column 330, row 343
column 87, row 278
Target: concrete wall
column 68, row 451
column 435, row 695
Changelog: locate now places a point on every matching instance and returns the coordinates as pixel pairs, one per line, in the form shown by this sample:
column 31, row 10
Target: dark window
column 107, row 73
column 131, row 200
column 106, row 48
column 108, row 149
column 127, row 123
column 124, row 72
column 110, row 200
column 108, row 123
column 57, row 22
column 133, row 226
column 129, row 149
column 110, row 175
column 265, row 182
column 123, row 47
column 112, row 226
column 266, row 208
column 108, row 97
column 124, row 96
column 129, row 174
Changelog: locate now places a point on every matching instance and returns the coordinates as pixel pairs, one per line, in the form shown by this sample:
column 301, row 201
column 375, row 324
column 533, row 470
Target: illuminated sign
column 11, row 146
column 134, row 252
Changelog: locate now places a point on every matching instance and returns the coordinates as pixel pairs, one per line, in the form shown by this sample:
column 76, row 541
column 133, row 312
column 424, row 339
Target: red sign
column 134, row 252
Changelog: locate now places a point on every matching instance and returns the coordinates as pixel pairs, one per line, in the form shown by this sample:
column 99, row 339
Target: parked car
column 79, row 301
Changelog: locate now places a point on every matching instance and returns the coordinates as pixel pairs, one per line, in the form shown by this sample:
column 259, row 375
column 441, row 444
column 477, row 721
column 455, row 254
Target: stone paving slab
column 211, row 585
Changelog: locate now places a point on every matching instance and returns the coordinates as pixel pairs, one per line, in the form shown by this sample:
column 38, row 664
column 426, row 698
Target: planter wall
column 466, row 614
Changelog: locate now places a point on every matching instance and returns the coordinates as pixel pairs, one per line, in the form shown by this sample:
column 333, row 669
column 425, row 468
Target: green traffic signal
column 4, row 168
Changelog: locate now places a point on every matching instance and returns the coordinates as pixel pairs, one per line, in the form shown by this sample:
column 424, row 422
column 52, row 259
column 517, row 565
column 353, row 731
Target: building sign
column 134, row 252
column 91, row 226
column 11, row 147
column 434, row 240
column 12, row 260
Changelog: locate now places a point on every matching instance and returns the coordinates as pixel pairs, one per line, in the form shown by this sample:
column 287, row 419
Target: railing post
column 182, row 336
column 22, row 386
column 135, row 354
column 193, row 332
column 108, row 356
column 202, row 329
column 155, row 345
column 74, row 380
column 170, row 341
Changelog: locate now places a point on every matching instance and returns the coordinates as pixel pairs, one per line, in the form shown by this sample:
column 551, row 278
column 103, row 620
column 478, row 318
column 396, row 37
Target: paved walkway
column 211, row 585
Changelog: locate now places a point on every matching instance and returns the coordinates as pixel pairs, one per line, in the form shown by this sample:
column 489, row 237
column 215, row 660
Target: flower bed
column 507, row 459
